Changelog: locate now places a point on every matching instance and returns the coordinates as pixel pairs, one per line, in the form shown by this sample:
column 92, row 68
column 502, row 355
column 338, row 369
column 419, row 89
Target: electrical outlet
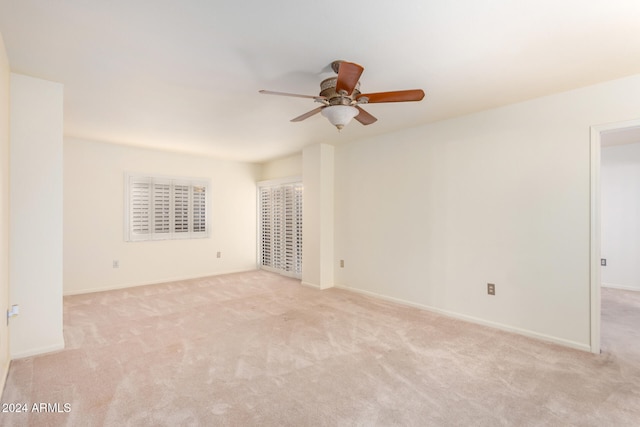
column 219, row 255
column 341, row 263
column 603, row 262
column 116, row 263
column 491, row 289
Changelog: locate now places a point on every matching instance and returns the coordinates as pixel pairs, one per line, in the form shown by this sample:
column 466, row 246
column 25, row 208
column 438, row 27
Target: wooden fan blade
column 397, row 96
column 348, row 75
column 308, row 114
column 364, row 117
column 270, row 92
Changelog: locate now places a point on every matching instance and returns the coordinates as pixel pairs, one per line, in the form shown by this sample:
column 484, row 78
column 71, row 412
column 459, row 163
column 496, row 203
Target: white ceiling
column 184, row 75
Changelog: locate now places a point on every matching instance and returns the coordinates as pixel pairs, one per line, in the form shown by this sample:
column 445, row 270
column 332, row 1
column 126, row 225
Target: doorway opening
column 610, row 134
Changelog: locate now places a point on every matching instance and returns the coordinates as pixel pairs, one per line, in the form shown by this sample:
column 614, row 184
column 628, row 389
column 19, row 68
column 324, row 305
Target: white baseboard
column 476, row 320
column 622, row 287
column 38, row 351
column 153, row 282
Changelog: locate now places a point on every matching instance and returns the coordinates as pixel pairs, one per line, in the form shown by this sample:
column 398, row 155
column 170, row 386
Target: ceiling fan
column 341, row 97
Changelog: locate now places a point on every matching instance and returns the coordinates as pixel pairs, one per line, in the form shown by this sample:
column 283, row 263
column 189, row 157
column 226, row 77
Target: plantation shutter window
column 158, row 208
column 280, row 238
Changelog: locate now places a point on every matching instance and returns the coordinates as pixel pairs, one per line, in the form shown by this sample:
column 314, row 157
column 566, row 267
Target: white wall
column 620, row 189
column 94, row 215
column 430, row 215
column 35, row 265
column 4, row 210
column 282, row 168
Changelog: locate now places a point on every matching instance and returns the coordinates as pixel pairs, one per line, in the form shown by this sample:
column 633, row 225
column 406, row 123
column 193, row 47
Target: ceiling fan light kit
column 341, row 97
column 340, row 115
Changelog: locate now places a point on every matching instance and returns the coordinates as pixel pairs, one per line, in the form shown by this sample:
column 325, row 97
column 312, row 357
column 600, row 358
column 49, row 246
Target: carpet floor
column 258, row 349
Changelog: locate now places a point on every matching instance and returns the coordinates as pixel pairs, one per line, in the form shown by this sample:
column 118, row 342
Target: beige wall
column 430, row 215
column 94, row 215
column 317, row 211
column 35, row 265
column 4, row 210
column 282, row 168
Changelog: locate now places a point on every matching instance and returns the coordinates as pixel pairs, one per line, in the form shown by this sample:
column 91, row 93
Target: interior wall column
column 35, row 233
column 317, row 228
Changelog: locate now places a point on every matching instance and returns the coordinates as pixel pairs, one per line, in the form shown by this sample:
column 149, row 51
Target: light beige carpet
column 258, row 349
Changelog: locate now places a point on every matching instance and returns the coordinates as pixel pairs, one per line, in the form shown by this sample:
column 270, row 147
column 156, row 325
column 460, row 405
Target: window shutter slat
column 140, row 212
column 161, row 209
column 199, row 209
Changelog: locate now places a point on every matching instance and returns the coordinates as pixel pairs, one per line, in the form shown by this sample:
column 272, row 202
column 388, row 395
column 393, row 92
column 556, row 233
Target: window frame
column 169, row 210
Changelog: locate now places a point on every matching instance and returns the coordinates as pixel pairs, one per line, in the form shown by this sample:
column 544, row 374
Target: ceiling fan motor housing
column 328, row 90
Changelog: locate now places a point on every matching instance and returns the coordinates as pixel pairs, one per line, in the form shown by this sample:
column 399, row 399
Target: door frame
column 595, row 238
